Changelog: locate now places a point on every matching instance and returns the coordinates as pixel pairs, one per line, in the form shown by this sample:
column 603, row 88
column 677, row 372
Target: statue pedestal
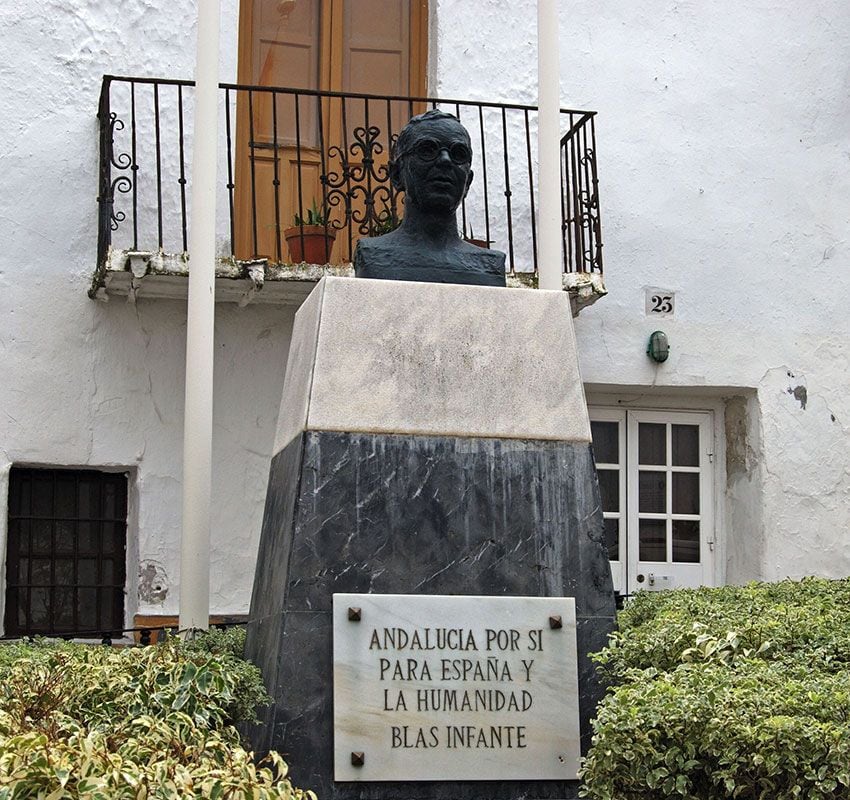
column 432, row 439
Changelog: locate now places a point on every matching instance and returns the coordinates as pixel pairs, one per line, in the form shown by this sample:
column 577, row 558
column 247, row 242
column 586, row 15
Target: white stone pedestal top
column 399, row 357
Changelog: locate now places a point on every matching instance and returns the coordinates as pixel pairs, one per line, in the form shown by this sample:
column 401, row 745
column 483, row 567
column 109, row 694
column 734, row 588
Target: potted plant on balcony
column 310, row 239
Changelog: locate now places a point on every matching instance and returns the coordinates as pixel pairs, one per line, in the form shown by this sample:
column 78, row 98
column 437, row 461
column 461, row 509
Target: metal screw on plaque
column 354, row 615
column 555, row 622
column 358, row 759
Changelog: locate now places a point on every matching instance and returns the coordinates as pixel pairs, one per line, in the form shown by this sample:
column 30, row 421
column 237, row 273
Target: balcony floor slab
column 137, row 274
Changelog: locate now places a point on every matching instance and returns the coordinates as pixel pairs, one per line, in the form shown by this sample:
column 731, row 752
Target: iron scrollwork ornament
column 122, row 183
column 588, row 217
column 364, row 181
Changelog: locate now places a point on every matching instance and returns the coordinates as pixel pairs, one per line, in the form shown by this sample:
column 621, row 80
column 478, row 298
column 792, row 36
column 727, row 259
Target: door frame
column 705, row 567
column 604, row 405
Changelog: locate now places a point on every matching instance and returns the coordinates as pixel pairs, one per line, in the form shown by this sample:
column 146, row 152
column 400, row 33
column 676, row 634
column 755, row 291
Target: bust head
column 432, row 165
column 432, row 162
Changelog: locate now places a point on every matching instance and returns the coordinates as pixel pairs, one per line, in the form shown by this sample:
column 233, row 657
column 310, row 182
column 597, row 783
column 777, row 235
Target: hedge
column 80, row 721
column 737, row 692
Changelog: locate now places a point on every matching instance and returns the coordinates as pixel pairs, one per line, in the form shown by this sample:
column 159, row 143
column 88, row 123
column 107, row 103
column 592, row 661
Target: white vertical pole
column 197, row 414
column 548, row 147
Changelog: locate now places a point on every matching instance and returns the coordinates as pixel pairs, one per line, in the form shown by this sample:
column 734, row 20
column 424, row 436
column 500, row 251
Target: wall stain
column 800, row 395
column 153, row 582
column 740, row 457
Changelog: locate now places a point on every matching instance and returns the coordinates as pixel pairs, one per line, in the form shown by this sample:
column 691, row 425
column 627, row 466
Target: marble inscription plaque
column 438, row 687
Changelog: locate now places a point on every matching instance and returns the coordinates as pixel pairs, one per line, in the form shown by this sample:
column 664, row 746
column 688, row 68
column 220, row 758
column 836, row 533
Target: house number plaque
column 660, row 303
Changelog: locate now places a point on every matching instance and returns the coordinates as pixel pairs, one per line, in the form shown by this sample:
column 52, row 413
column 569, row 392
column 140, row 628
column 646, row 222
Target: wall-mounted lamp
column 658, row 348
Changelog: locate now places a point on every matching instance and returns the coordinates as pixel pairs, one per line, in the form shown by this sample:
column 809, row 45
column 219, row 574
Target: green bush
column 78, row 721
column 737, row 692
column 227, row 647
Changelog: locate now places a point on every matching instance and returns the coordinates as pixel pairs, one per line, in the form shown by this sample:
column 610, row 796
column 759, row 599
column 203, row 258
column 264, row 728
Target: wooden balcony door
column 368, row 46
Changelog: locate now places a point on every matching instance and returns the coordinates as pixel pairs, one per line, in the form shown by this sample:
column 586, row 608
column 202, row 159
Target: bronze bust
column 432, row 165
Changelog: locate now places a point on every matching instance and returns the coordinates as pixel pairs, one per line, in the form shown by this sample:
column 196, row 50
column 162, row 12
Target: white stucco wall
column 98, row 384
column 724, row 161
column 724, row 164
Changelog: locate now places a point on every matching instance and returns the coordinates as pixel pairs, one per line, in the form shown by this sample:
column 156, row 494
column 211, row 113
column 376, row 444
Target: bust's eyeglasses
column 429, row 150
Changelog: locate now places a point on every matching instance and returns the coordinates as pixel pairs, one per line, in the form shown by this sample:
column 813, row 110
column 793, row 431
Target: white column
column 548, row 146
column 197, row 415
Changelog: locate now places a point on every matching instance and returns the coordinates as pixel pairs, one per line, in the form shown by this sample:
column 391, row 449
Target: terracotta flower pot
column 318, row 243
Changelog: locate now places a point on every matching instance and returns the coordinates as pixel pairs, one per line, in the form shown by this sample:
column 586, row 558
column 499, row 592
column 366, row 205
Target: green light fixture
column 658, row 348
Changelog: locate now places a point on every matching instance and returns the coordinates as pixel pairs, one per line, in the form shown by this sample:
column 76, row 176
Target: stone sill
column 144, row 275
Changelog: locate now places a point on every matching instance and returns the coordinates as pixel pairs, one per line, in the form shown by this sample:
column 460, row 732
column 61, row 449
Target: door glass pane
column 42, row 536
column 87, row 599
column 24, row 534
column 612, row 538
column 652, row 540
column 112, row 500
column 42, row 495
column 609, row 487
column 65, row 536
column 41, row 571
column 107, row 605
column 40, row 609
column 652, row 443
column 64, row 571
column 88, row 498
column 87, row 572
column 652, row 492
column 19, row 498
column 65, row 500
column 23, row 599
column 685, row 445
column 686, row 541
column 63, row 610
column 605, row 442
column 108, row 536
column 686, row 493
column 88, row 534
column 113, row 538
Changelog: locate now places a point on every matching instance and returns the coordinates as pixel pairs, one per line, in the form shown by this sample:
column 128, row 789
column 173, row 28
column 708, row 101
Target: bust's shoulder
column 373, row 254
column 371, row 243
column 484, row 254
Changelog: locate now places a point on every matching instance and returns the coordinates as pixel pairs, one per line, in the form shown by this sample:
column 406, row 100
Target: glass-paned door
column 656, row 480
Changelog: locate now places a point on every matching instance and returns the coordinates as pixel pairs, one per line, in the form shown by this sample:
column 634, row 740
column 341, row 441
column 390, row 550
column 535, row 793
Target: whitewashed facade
column 723, row 138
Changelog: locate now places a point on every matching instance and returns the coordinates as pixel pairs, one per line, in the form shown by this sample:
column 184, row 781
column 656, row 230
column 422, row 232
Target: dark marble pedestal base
column 415, row 515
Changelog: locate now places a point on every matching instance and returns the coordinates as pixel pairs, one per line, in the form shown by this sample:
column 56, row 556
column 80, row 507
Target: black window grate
column 67, row 544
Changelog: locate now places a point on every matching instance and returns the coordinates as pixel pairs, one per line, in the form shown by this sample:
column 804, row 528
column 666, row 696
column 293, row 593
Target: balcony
column 285, row 153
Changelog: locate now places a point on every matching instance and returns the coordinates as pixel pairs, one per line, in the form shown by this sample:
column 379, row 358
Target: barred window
column 65, row 564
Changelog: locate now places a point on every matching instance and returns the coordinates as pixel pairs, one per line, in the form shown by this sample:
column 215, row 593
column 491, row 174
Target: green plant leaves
column 315, row 216
column 738, row 692
column 92, row 722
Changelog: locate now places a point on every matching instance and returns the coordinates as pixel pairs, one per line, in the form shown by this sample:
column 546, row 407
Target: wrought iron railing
column 285, row 152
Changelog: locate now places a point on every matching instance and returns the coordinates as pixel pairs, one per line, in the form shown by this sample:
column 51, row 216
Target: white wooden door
column 656, row 476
